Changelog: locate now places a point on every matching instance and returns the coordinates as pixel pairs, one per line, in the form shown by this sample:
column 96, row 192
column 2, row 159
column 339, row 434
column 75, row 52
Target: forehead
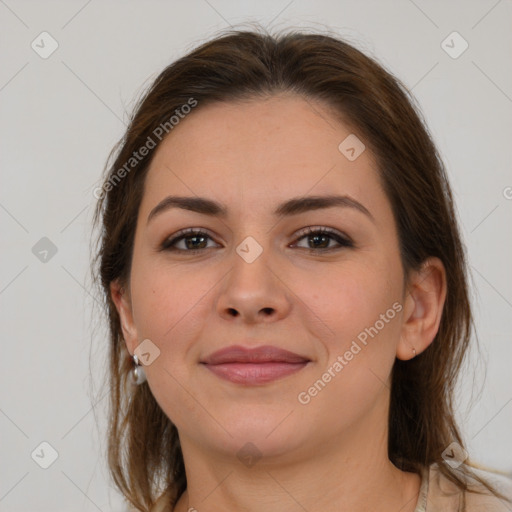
column 259, row 149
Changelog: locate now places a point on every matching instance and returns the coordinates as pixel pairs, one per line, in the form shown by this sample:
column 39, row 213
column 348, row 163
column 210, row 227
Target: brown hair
column 144, row 453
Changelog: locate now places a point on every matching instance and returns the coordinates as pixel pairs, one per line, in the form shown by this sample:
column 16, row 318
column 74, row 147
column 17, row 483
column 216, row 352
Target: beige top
column 438, row 494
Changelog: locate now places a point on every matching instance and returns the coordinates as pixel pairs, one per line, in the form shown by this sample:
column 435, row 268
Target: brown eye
column 320, row 238
column 192, row 241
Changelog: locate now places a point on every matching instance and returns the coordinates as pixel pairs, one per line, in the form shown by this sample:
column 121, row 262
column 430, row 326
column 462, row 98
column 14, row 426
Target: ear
column 122, row 301
column 423, row 308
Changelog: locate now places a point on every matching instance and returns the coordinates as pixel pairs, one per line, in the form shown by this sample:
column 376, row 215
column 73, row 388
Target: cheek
column 347, row 300
column 168, row 307
column 362, row 309
column 164, row 303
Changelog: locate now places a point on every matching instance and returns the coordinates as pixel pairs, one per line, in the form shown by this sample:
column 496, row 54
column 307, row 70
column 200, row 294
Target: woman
column 286, row 290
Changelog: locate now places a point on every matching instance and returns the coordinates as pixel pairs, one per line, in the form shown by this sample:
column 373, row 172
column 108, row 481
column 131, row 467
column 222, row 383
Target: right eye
column 193, row 239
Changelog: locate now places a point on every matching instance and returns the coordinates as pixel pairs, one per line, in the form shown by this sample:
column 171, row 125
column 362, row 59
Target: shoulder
column 443, row 494
column 439, row 492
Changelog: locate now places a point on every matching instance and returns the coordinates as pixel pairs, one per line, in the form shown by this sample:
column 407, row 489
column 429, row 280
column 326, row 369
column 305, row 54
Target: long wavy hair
column 144, row 454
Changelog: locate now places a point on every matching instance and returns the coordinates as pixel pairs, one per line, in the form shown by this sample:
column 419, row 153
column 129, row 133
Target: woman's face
column 258, row 278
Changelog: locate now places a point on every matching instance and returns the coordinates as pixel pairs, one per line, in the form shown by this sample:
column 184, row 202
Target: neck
column 350, row 473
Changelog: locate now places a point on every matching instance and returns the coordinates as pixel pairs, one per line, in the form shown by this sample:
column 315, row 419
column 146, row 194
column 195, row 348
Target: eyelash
column 344, row 241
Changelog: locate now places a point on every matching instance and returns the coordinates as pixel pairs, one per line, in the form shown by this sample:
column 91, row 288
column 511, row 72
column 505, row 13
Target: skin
column 331, row 453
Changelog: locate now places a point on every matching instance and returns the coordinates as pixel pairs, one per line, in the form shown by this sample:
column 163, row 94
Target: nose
column 254, row 292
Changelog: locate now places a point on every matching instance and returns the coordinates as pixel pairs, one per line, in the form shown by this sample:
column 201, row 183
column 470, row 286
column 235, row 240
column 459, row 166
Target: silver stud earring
column 414, row 352
column 138, row 374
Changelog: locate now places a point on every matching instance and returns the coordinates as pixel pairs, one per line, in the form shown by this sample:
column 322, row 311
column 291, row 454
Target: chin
column 267, row 435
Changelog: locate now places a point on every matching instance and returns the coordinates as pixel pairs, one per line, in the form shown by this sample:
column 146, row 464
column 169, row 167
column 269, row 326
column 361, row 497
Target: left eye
column 195, row 240
column 318, row 236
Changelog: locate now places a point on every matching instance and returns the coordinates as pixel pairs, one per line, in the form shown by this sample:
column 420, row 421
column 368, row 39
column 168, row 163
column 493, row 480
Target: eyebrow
column 290, row 207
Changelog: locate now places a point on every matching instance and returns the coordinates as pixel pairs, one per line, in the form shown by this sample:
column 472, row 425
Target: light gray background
column 60, row 117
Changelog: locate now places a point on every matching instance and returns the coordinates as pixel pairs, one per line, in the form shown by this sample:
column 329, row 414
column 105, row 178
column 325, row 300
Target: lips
column 254, row 366
column 264, row 354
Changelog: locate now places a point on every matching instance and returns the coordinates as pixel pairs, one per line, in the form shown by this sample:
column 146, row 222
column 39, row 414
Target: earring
column 138, row 375
column 414, row 352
